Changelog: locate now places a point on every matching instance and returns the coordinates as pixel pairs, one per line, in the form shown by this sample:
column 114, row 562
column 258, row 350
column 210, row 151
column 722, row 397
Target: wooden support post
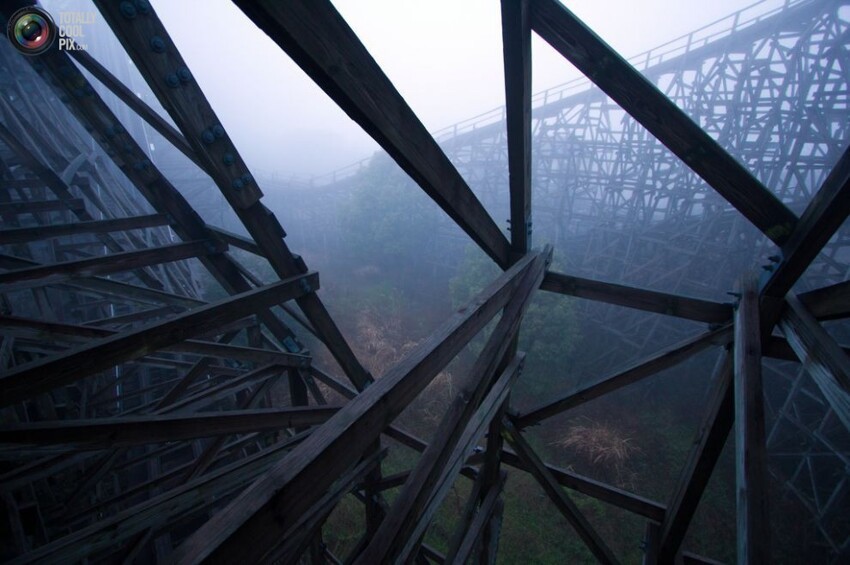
column 658, row 114
column 711, row 437
column 244, row 529
column 665, row 359
column 556, row 494
column 822, row 358
column 516, row 47
column 41, row 376
column 750, row 449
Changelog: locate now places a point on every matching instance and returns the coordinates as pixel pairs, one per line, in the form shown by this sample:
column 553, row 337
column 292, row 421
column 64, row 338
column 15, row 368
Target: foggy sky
column 444, row 56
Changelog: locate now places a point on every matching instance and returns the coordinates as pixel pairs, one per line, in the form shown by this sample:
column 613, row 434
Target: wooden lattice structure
column 137, row 420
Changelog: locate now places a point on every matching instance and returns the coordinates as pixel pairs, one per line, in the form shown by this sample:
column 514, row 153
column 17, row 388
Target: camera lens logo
column 31, row 30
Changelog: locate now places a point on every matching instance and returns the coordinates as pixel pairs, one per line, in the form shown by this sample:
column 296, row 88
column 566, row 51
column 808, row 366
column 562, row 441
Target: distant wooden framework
column 146, row 369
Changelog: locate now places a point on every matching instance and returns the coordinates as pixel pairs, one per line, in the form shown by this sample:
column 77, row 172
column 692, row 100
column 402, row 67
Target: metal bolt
column 143, row 6
column 775, row 258
column 246, row 179
column 304, row 285
column 237, row 184
column 228, row 159
column 172, row 80
column 218, row 131
column 207, row 136
column 767, row 267
column 183, row 74
column 157, row 44
column 127, row 10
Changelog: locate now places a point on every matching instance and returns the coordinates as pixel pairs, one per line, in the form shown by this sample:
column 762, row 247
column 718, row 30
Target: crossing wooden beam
column 104, row 264
column 556, row 494
column 559, row 27
column 821, row 219
column 710, row 438
column 24, row 235
column 40, row 376
column 665, row 359
column 108, row 433
column 822, row 357
column 250, row 523
column 320, row 41
column 638, row 298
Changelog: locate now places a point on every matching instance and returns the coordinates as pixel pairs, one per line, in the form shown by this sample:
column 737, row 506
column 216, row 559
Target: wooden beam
column 828, row 303
column 25, row 235
column 135, row 103
column 556, row 494
column 639, row 298
column 665, row 359
column 105, row 264
column 107, row 433
column 661, row 117
column 36, row 206
column 198, row 122
column 516, row 49
column 159, row 510
column 43, row 375
column 821, row 219
column 595, row 489
column 482, row 519
column 709, row 441
column 750, row 445
column 320, row 41
column 408, row 518
column 247, row 526
column 823, row 359
column 236, row 240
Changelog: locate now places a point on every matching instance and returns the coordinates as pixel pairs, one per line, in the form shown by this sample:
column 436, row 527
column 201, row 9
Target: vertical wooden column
column 750, row 451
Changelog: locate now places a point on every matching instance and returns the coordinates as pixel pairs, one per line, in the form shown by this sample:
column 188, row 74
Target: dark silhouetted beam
column 516, row 48
column 639, row 298
column 43, row 375
column 752, row 479
column 711, row 437
column 655, row 364
column 822, row 357
column 318, row 39
column 821, row 219
column 107, row 433
column 556, row 494
column 23, row 235
column 245, row 529
column 661, row 117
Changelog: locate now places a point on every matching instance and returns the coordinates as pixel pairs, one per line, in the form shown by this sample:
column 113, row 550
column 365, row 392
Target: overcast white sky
column 444, row 56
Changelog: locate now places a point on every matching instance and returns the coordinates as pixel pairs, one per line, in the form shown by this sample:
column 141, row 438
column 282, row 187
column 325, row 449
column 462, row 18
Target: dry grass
column 602, row 446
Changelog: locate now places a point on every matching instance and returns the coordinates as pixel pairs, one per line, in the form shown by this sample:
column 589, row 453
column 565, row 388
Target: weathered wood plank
column 36, row 206
column 24, row 235
column 516, row 48
column 821, row 219
column 44, row 375
column 639, row 298
column 752, row 477
column 828, row 303
column 107, row 433
column 556, row 494
column 480, row 522
column 248, row 524
column 823, row 359
column 658, row 362
column 709, row 441
column 324, row 46
column 661, row 117
column 105, row 264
